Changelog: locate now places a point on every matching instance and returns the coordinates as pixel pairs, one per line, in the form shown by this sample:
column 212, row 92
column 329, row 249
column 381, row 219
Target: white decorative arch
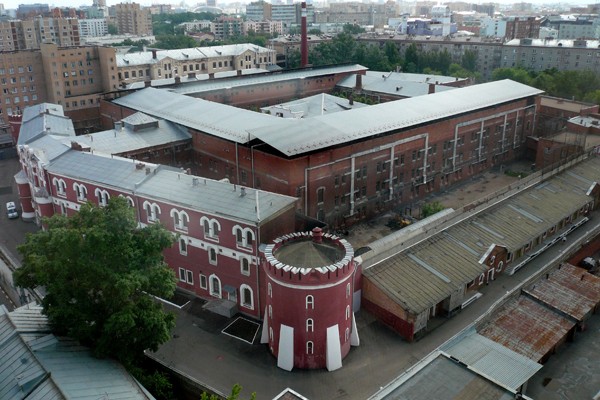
column 214, row 285
column 80, row 191
column 211, row 228
column 244, row 237
column 246, row 297
column 60, row 186
column 153, row 211
column 181, row 219
column 103, row 196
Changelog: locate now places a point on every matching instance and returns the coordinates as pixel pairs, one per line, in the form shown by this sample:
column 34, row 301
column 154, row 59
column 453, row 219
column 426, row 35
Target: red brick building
column 350, row 165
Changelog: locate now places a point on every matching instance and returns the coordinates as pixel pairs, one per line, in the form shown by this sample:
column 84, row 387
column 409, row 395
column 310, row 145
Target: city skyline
column 13, row 4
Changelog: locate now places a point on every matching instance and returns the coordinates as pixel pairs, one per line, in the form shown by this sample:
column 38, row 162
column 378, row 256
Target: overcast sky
column 77, row 3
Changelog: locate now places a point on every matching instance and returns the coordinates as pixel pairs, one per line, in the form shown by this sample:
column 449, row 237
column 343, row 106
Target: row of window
column 20, row 70
column 212, row 283
column 212, row 228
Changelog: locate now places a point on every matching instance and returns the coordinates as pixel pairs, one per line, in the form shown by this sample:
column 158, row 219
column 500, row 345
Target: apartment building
column 22, row 82
column 523, row 27
column 264, row 26
column 76, row 77
column 539, row 55
column 224, row 27
column 93, row 27
column 29, row 34
column 289, row 14
column 132, row 18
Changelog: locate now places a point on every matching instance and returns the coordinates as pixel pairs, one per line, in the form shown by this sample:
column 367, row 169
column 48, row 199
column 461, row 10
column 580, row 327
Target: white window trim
column 310, row 302
column 182, row 222
column 212, row 223
column 250, row 306
column 61, row 187
column 151, row 216
column 244, row 232
column 205, row 285
column 246, row 273
column 210, row 259
column 103, row 197
column 310, row 347
column 81, row 192
column 270, row 290
column 182, row 274
column 310, row 325
column 211, row 286
column 183, row 251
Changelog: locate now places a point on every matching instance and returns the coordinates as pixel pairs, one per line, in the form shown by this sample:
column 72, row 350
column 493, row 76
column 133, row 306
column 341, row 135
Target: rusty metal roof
column 527, row 327
column 571, row 290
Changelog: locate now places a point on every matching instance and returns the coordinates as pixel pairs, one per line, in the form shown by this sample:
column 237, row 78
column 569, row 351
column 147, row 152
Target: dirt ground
column 455, row 197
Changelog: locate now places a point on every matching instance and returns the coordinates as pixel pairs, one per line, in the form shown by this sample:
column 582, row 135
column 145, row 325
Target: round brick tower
column 309, row 319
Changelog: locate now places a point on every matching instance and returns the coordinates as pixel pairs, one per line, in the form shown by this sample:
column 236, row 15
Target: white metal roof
column 298, row 136
column 491, row 359
column 590, row 44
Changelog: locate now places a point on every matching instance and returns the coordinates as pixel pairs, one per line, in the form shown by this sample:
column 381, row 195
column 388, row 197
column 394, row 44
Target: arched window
column 215, row 286
column 61, row 186
column 103, row 197
column 183, row 246
column 347, row 312
column 211, row 228
column 180, row 220
column 309, row 347
column 247, row 296
column 348, row 290
column 206, row 226
column 347, row 335
column 310, row 325
column 500, row 265
column 81, row 192
column 270, row 290
column 245, row 266
column 310, row 302
column 152, row 211
column 270, row 311
column 320, row 195
column 212, row 255
column 249, row 238
column 271, row 333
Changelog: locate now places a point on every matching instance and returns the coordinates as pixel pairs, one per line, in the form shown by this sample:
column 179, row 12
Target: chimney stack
column 317, row 234
column 431, row 88
column 358, row 81
column 154, row 54
column 304, row 38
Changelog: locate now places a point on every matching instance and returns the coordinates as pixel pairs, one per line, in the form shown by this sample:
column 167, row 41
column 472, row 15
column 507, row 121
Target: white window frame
column 243, row 303
column 270, row 311
column 310, row 325
column 151, row 211
column 61, row 187
column 310, row 347
column 269, row 290
column 214, row 228
column 182, row 274
column 348, row 290
column 181, row 220
column 500, row 265
column 347, row 312
column 213, row 292
column 81, row 192
column 244, row 237
column 212, row 250
column 310, row 302
column 183, row 245
column 245, row 269
column 103, row 197
column 203, row 281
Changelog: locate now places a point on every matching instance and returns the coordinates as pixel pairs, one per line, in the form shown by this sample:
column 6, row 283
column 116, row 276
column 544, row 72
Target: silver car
column 11, row 210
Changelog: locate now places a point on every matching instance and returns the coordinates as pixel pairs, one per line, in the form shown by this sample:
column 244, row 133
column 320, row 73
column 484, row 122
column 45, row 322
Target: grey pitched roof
column 313, row 106
column 119, row 173
column 491, row 359
column 214, row 197
column 298, row 136
column 44, row 118
column 430, row 271
column 399, row 84
column 37, row 365
column 124, row 140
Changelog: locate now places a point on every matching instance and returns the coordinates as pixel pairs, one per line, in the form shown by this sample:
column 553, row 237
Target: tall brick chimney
column 304, row 38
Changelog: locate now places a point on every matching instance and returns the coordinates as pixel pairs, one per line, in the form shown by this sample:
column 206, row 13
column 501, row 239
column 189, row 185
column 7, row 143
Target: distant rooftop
column 312, row 106
column 590, row 44
column 308, row 254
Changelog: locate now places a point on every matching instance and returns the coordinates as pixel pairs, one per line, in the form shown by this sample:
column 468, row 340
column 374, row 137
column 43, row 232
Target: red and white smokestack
column 304, row 38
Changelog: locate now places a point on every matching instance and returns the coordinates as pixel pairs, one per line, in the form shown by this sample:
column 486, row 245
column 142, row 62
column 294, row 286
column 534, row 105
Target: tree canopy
column 99, row 271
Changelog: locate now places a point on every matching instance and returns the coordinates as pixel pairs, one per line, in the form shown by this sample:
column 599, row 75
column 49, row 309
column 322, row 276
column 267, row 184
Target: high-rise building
column 132, row 18
column 93, row 27
column 29, row 34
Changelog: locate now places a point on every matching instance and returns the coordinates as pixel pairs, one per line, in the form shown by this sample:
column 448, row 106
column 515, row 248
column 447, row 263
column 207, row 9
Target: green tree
column 392, row 54
column 169, row 42
column 515, row 74
column 411, row 59
column 352, row 29
column 112, row 29
column 431, row 208
column 469, row 60
column 100, row 272
column 235, row 394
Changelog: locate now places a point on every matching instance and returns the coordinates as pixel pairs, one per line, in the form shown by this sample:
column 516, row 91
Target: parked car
column 11, row 210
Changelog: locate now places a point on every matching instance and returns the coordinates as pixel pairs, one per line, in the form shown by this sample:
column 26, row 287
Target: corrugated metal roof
column 398, row 83
column 37, row 365
column 297, row 136
column 491, row 359
column 44, row 119
column 569, row 289
column 189, row 54
column 293, row 137
column 217, row 119
column 527, row 327
column 214, row 197
column 455, row 252
column 444, row 379
column 115, row 172
column 216, row 84
column 313, row 106
column 126, row 140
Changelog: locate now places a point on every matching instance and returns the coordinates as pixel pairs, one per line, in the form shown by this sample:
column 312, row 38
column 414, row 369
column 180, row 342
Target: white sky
column 8, row 4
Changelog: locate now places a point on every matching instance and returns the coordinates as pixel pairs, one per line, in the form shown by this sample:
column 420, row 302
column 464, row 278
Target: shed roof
column 491, row 359
column 527, row 327
column 37, row 365
column 569, row 289
column 423, row 275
